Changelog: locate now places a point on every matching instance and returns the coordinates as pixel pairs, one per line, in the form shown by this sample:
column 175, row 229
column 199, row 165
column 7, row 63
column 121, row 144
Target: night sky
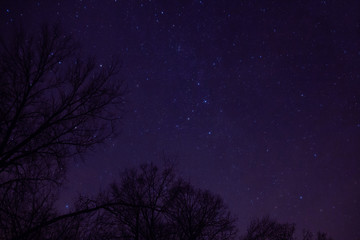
column 258, row 101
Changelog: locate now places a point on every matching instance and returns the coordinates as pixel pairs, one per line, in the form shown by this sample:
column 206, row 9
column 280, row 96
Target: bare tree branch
column 55, row 104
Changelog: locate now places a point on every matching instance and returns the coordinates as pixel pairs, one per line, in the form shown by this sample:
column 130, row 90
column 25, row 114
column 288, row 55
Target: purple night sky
column 258, row 101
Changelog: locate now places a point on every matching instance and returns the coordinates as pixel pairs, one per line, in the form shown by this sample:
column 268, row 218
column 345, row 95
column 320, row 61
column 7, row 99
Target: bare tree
column 268, row 229
column 148, row 189
column 323, row 236
column 24, row 206
column 165, row 207
column 308, row 235
column 54, row 104
column 200, row 215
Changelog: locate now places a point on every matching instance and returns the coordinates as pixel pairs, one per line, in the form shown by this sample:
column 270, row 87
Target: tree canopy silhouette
column 164, row 207
column 269, row 229
column 55, row 103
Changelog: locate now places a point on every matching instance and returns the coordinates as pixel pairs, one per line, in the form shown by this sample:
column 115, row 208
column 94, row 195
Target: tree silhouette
column 323, row 236
column 268, row 229
column 148, row 187
column 197, row 214
column 164, row 207
column 55, row 104
column 307, row 235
